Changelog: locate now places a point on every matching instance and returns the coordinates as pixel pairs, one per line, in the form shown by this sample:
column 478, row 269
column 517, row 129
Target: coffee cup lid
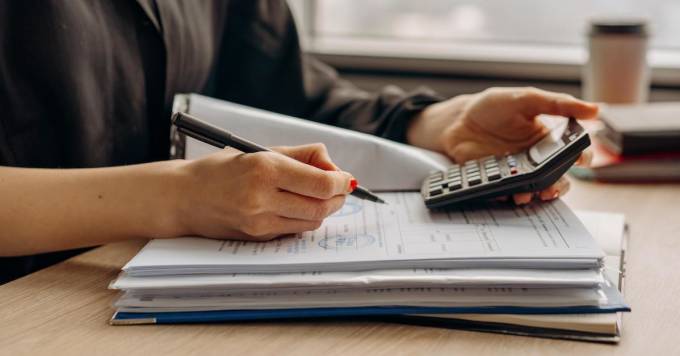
column 618, row 27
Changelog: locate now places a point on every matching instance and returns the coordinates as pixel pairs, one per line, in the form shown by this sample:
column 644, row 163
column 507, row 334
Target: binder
column 127, row 316
column 525, row 330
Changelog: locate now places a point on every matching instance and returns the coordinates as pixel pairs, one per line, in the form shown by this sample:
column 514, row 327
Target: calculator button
column 455, row 186
column 434, row 186
column 474, row 181
column 435, row 192
column 493, row 175
column 454, row 179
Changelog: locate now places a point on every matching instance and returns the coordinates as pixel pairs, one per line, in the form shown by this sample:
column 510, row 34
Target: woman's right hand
column 258, row 196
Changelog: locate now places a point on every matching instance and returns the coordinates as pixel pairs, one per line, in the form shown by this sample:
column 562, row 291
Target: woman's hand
column 225, row 195
column 495, row 122
column 259, row 196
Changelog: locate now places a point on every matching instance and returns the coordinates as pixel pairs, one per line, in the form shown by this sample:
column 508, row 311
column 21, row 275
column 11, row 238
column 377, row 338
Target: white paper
column 430, row 297
column 383, row 165
column 608, row 230
column 401, row 234
column 362, row 279
column 606, row 227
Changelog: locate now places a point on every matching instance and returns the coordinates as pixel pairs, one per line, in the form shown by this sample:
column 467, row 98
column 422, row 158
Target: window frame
column 512, row 61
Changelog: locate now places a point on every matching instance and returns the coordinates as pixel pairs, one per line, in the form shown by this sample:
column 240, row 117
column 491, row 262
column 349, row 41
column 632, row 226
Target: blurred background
column 458, row 46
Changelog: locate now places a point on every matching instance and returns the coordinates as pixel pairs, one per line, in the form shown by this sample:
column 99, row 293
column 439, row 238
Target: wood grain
column 65, row 309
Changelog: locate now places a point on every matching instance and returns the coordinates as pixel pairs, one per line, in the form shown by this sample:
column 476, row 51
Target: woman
column 86, row 88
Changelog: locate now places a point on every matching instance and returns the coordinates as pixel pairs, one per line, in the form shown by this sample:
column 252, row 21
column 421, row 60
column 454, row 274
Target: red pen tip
column 353, row 184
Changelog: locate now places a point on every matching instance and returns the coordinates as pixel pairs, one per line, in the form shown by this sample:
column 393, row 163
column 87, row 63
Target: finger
column 315, row 154
column 522, row 198
column 303, row 179
column 556, row 190
column 291, row 205
column 268, row 226
column 585, row 159
column 536, row 101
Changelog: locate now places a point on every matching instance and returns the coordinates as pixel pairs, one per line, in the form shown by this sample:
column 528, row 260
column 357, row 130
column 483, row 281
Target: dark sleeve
column 261, row 65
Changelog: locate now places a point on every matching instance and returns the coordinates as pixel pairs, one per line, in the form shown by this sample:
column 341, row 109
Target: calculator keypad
column 506, row 174
column 470, row 174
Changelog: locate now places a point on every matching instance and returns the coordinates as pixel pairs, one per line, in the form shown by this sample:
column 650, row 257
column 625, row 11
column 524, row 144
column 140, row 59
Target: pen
column 218, row 137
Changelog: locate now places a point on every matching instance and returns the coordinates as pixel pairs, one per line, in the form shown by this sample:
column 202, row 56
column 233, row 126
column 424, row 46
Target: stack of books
column 636, row 143
column 533, row 270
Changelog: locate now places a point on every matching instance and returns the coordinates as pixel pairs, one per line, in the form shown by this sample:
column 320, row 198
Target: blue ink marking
column 343, row 242
column 350, row 208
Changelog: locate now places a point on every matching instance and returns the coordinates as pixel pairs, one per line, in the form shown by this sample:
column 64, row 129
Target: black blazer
column 89, row 83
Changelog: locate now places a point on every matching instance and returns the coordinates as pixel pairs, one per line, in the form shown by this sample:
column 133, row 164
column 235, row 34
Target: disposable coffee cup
column 616, row 71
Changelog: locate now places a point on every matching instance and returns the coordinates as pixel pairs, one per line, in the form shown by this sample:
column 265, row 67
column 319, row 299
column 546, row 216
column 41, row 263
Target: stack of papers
column 399, row 235
column 533, row 270
column 372, row 259
column 610, row 231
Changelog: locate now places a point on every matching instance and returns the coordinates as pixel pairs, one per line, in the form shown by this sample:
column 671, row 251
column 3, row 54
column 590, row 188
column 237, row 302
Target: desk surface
column 66, row 308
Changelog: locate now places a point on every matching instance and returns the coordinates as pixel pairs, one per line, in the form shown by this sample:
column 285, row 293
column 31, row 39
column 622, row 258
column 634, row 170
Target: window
column 482, row 35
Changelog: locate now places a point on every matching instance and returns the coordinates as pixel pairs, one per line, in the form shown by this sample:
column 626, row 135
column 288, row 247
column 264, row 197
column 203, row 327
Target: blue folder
column 615, row 303
column 120, row 318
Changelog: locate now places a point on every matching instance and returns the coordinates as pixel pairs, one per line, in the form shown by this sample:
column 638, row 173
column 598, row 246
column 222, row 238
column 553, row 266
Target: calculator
column 535, row 169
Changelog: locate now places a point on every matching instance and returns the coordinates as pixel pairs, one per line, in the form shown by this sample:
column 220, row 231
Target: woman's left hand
column 496, row 121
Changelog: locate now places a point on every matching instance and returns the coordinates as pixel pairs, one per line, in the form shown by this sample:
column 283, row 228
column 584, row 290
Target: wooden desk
column 65, row 309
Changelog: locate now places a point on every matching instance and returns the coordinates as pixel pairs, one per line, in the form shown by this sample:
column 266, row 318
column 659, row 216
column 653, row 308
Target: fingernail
column 353, row 183
column 556, row 195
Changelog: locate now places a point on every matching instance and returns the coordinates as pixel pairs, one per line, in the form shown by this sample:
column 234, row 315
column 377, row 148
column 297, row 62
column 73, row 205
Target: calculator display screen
column 548, row 146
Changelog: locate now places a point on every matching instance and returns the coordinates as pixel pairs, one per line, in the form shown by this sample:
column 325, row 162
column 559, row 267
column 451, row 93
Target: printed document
column 401, row 234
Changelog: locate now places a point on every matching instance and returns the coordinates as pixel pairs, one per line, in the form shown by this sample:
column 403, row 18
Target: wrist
column 427, row 129
column 172, row 179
